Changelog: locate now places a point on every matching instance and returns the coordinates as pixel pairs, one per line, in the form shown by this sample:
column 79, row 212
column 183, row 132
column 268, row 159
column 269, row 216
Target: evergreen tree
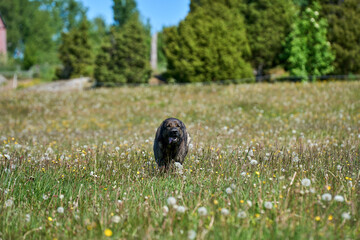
column 309, row 52
column 76, row 53
column 344, row 34
column 123, row 11
column 125, row 55
column 268, row 23
column 209, row 45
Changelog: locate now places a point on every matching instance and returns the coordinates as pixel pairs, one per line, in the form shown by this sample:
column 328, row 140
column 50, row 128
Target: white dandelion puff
column 9, row 203
column 171, row 201
column 326, row 197
column 229, row 191
column 60, row 210
column 346, row 216
column 202, row 211
column 306, row 182
column 45, row 197
column 242, row 214
column 339, row 198
column 181, row 209
column 224, row 211
column 268, row 205
column 253, row 162
column 191, row 235
column 165, row 210
column 115, row 219
column 249, row 203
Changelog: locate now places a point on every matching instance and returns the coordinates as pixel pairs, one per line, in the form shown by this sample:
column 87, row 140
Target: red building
column 2, row 36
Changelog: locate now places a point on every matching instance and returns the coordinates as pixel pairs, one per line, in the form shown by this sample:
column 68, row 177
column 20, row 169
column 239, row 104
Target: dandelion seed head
column 171, row 201
column 268, row 205
column 9, row 203
column 306, row 182
column 115, row 219
column 253, row 162
column 60, row 210
column 191, row 235
column 202, row 211
column 225, row 211
column 326, row 197
column 242, row 214
column 180, row 209
column 229, row 191
column 339, row 198
column 346, row 216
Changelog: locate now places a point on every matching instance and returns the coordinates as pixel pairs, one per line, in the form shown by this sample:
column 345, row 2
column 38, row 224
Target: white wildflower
column 346, row 216
column 326, row 197
column 180, row 209
column 338, row 198
column 202, row 211
column 115, row 219
column 61, row 196
column 268, row 205
column 242, row 214
column 229, row 191
column 27, row 217
column 60, row 210
column 9, row 203
column 253, row 162
column 249, row 203
column 306, row 182
column 191, row 235
column 45, row 197
column 171, row 201
column 224, row 211
column 295, row 159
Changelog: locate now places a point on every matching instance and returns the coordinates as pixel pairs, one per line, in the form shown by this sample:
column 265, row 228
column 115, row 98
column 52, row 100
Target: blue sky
column 160, row 12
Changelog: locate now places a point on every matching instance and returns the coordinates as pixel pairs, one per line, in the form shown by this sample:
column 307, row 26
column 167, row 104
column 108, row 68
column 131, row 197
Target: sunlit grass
column 263, row 162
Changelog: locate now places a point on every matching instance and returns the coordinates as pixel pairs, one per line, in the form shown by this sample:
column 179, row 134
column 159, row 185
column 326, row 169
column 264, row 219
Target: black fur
column 171, row 143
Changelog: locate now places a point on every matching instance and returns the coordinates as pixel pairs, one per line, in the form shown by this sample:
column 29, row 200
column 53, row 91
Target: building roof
column 1, row 18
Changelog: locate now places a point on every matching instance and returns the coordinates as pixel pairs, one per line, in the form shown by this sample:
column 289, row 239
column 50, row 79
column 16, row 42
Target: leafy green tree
column 309, row 52
column 125, row 55
column 267, row 24
column 209, row 45
column 344, row 34
column 123, row 11
column 30, row 30
column 75, row 52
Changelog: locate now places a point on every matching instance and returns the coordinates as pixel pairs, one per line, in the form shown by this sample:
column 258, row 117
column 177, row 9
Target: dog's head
column 172, row 131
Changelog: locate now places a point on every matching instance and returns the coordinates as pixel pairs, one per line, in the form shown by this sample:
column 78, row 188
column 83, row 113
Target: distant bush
column 125, row 55
column 209, row 45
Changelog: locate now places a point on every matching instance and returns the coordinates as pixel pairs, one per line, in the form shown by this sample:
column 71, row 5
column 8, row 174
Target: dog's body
column 171, row 142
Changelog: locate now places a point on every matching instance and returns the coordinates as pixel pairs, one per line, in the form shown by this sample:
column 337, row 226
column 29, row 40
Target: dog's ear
column 182, row 127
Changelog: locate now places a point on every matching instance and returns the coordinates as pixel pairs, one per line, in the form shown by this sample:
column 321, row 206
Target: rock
column 3, row 80
column 77, row 84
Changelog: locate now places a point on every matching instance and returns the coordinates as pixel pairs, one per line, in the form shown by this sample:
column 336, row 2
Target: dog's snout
column 174, row 130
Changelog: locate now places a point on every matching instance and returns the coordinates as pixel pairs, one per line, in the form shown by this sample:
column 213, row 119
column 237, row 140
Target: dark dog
column 171, row 143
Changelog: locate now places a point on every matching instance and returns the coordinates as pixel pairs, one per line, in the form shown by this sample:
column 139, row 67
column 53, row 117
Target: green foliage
column 75, row 53
column 123, row 11
column 125, row 55
column 267, row 24
column 308, row 50
column 344, row 34
column 209, row 45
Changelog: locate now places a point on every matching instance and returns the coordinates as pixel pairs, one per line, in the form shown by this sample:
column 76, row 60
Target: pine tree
column 308, row 49
column 123, row 11
column 76, row 52
column 267, row 23
column 125, row 55
column 344, row 34
column 209, row 45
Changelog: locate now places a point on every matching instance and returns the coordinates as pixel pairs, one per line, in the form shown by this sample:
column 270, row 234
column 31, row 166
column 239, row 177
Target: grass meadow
column 267, row 161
